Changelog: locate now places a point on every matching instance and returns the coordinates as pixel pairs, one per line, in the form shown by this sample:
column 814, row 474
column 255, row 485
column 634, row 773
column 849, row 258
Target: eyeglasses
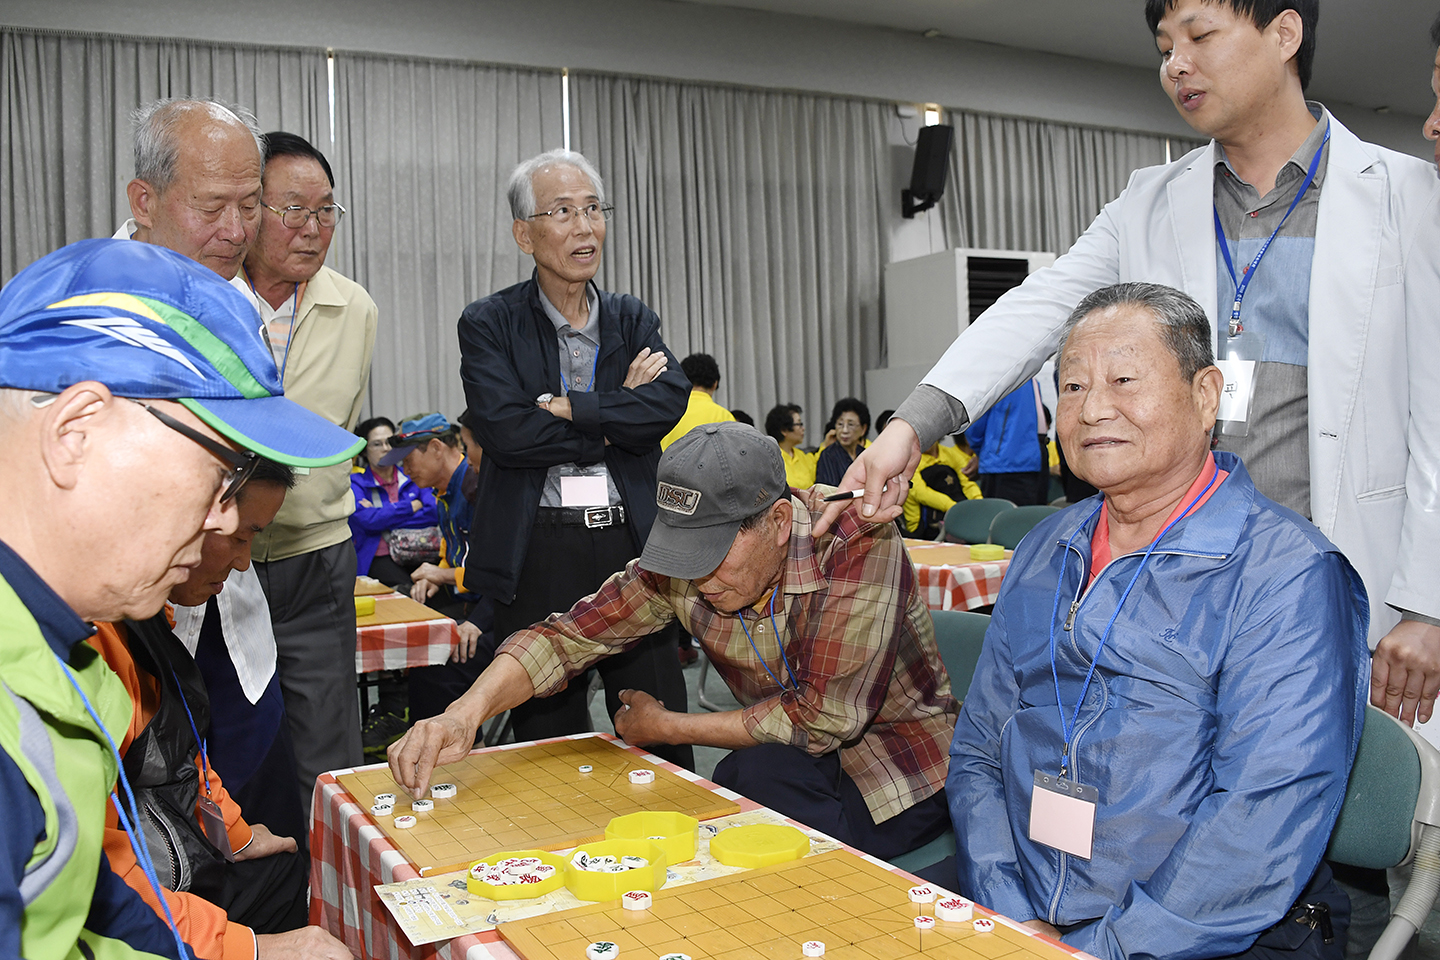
column 296, row 216
column 380, row 442
column 567, row 212
column 244, row 463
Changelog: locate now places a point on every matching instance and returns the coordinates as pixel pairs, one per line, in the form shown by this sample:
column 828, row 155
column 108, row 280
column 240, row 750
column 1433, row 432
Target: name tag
column 584, row 492
column 213, row 822
column 1062, row 814
column 1239, row 387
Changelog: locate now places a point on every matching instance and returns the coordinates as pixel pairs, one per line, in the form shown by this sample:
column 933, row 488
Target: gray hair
column 1184, row 328
column 521, row 190
column 156, row 145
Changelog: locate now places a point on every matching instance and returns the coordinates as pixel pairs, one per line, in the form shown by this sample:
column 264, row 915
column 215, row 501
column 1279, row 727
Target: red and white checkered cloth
column 396, row 646
column 962, row 587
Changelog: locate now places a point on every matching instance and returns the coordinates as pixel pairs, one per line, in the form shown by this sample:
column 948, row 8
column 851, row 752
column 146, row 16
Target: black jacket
column 508, row 357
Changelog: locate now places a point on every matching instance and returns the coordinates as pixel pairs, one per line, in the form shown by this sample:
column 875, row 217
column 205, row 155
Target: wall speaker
column 932, row 163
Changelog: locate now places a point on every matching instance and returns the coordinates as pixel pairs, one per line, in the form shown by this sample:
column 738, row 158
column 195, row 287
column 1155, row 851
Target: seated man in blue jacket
column 1157, row 740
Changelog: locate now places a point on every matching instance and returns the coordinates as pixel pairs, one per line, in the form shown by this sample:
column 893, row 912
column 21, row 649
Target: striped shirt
column 868, row 680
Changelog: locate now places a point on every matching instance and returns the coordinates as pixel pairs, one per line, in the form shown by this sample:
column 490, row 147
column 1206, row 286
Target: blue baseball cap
column 416, row 433
column 151, row 324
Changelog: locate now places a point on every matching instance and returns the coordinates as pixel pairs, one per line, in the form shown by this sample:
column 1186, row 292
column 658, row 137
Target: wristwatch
column 544, row 398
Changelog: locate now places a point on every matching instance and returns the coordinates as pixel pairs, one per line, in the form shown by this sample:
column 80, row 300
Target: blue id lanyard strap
column 780, row 643
column 1243, row 283
column 204, row 756
column 1067, row 728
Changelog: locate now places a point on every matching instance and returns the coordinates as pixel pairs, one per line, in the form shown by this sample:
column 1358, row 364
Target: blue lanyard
column 1068, row 729
column 204, row 757
column 783, row 659
column 1243, row 283
column 131, row 823
column 290, row 337
column 564, row 385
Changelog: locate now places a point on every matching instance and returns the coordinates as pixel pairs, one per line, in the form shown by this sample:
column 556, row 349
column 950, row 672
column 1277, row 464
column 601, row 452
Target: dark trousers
column 391, row 574
column 434, row 688
column 269, row 895
column 312, row 607
column 819, row 794
column 1021, row 489
column 564, row 563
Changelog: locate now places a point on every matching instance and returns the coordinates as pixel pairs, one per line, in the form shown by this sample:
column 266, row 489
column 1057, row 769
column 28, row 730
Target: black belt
column 592, row 517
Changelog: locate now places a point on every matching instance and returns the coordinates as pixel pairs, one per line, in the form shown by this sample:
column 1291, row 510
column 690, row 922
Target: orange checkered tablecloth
column 955, row 585
column 398, row 646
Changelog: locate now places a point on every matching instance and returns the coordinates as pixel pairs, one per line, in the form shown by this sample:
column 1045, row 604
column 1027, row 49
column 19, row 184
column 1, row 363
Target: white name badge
column 1239, row 388
column 1062, row 814
column 584, row 492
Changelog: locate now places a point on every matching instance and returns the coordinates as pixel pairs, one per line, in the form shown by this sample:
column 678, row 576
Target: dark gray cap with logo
column 709, row 481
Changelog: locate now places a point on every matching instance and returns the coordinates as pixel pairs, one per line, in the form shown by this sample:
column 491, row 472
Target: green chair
column 969, row 520
column 960, row 635
column 1009, row 527
column 1391, row 816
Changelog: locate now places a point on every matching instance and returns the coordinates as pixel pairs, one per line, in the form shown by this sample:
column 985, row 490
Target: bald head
column 197, row 185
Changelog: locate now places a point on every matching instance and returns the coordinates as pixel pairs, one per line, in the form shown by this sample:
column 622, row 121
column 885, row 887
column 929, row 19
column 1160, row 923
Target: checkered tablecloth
column 397, row 646
column 961, row 587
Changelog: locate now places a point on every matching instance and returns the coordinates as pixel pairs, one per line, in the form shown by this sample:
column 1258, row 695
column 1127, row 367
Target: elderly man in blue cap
column 135, row 394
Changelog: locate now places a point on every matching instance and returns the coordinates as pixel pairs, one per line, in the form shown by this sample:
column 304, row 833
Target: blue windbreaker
column 1219, row 728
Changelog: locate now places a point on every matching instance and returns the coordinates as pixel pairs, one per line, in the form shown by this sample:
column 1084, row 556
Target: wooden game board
column 398, row 610
column 859, row 910
column 528, row 798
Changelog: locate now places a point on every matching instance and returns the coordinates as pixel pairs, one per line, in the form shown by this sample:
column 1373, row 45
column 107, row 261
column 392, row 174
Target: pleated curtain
column 66, row 144
column 754, row 222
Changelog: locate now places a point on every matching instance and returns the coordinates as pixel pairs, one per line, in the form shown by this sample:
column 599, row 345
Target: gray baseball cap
column 709, row 481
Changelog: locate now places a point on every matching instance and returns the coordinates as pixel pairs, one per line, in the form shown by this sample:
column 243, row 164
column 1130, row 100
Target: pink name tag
column 213, row 823
column 1062, row 814
column 583, row 492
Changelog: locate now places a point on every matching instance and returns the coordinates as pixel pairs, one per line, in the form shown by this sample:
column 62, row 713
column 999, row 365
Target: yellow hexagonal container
column 675, row 833
column 758, row 845
column 588, row 885
column 517, row 891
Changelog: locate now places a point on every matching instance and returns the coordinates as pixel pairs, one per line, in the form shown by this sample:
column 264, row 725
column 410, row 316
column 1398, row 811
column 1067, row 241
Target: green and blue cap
column 151, row 324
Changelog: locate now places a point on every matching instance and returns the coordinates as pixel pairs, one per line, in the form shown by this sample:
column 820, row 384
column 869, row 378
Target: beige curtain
column 753, row 222
column 65, row 133
column 1018, row 184
column 422, row 155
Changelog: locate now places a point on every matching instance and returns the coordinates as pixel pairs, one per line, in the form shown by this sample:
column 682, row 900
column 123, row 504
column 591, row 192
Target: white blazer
column 1374, row 331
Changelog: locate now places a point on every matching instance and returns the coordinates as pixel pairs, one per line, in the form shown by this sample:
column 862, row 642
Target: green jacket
column 46, row 731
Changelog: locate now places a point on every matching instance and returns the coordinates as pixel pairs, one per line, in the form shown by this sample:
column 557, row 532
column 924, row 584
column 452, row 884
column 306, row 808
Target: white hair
column 521, row 191
column 157, row 147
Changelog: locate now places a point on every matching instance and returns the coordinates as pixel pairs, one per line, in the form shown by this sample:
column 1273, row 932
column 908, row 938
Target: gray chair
column 1009, row 528
column 969, row 520
column 1391, row 817
column 960, row 635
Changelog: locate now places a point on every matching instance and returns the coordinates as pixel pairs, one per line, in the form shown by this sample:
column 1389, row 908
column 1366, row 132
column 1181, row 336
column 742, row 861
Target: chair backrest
column 969, row 520
column 1376, row 824
column 960, row 635
column 1010, row 527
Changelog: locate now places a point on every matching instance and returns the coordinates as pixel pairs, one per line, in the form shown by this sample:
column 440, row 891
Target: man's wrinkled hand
column 263, row 843
column 883, row 471
column 428, row 744
column 1405, row 671
column 468, row 640
column 423, row 590
column 645, row 368
column 557, row 407
column 306, row 943
column 432, row 573
column 642, row 719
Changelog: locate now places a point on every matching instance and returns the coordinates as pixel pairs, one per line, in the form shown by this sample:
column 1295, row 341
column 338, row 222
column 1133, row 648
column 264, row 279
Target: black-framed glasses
column 566, row 212
column 296, row 216
column 243, row 462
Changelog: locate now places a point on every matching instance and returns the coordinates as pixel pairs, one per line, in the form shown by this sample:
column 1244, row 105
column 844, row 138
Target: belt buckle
column 597, row 517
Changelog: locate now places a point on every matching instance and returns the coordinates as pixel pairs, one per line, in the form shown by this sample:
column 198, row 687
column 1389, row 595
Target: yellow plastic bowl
column 758, row 845
column 518, row 891
column 678, row 834
column 588, row 885
column 364, row 606
column 987, row 551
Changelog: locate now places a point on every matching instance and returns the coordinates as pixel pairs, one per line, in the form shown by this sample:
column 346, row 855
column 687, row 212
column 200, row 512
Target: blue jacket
column 368, row 524
column 1219, row 728
column 1006, row 436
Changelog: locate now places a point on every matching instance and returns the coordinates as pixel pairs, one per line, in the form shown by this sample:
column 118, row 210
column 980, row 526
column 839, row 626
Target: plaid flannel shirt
column 868, row 679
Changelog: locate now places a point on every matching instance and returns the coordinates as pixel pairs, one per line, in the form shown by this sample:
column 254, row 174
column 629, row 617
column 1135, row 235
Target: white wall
column 688, row 41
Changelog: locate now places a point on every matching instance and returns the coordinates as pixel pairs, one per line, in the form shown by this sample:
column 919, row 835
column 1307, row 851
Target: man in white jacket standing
column 1333, row 412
